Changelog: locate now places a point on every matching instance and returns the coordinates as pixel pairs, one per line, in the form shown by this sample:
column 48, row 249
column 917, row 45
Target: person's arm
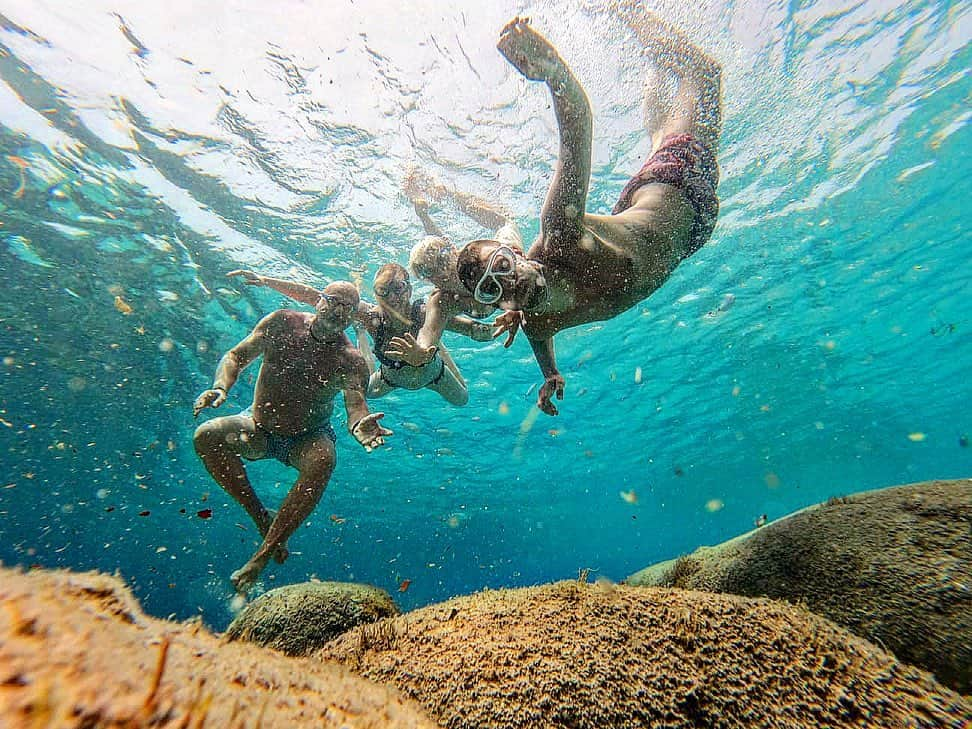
column 537, row 59
column 421, row 207
column 437, row 313
column 231, row 365
column 553, row 381
column 297, row 291
column 362, row 424
column 364, row 346
column 468, row 327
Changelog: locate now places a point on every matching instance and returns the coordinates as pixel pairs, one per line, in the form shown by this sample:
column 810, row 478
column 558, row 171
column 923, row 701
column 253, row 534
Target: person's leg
column 696, row 107
column 221, row 444
column 314, row 458
column 450, row 386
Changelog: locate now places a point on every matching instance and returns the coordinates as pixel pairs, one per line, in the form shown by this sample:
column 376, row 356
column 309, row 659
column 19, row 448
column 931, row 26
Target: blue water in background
column 143, row 154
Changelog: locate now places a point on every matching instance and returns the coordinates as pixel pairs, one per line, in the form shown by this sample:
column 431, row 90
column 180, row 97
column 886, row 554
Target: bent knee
column 207, row 437
column 217, row 434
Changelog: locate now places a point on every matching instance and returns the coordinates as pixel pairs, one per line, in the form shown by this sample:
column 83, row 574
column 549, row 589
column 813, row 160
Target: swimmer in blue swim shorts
column 307, row 361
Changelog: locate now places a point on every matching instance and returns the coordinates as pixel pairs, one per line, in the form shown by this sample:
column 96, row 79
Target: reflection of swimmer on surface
column 587, row 267
column 307, row 360
column 392, row 326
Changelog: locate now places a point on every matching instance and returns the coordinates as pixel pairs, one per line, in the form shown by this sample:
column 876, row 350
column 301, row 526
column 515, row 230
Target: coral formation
column 893, row 566
column 583, row 656
column 76, row 651
column 299, row 619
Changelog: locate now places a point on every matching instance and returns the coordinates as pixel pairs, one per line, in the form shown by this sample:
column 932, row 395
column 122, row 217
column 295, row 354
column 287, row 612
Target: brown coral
column 586, row 656
column 299, row 619
column 76, row 651
column 893, row 566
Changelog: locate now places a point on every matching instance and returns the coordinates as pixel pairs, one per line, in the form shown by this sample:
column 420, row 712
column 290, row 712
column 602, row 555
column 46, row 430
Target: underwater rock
column 893, row 566
column 577, row 655
column 299, row 619
column 77, row 651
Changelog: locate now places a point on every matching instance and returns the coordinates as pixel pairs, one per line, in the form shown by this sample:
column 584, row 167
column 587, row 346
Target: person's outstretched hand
column 553, row 385
column 407, row 349
column 212, row 398
column 250, row 278
column 509, row 323
column 529, row 52
column 369, row 432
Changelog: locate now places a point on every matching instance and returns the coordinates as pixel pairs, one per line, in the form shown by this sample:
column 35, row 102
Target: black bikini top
column 383, row 334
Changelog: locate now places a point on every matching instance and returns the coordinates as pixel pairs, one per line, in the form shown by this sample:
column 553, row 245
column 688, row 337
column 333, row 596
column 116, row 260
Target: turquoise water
column 146, row 152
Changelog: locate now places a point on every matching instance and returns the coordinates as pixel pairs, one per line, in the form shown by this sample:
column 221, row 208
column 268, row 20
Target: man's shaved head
column 343, row 291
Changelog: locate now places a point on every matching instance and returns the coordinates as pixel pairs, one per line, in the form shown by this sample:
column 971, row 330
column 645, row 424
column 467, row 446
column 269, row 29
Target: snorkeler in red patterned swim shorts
column 586, row 267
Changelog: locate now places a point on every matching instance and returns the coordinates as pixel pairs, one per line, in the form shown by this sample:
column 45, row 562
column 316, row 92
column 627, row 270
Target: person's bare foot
column 244, row 578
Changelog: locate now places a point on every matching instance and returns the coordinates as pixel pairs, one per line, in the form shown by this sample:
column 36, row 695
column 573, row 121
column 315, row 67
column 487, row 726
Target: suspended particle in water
column 101, row 494
column 503, row 409
column 9, row 361
column 963, row 441
column 77, row 384
column 771, row 480
column 714, row 505
column 727, row 301
column 123, row 306
column 735, row 390
column 629, row 497
column 916, row 437
column 202, row 346
column 166, row 345
column 637, row 376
